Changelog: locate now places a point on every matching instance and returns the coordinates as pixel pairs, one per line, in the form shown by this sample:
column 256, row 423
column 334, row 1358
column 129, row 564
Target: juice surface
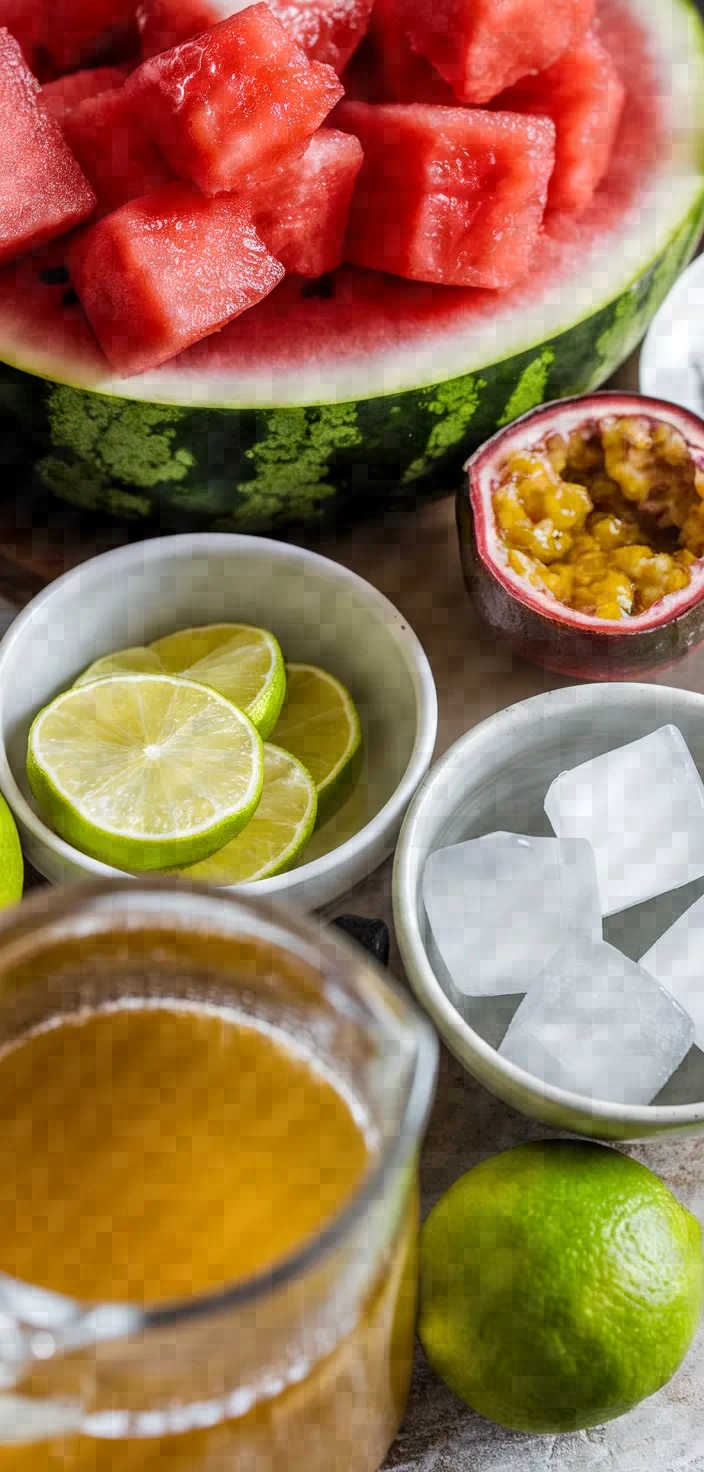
column 153, row 1152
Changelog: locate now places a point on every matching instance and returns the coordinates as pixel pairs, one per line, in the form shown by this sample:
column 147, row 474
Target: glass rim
column 132, row 1318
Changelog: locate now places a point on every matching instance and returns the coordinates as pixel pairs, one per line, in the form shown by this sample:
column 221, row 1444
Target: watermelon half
column 358, row 384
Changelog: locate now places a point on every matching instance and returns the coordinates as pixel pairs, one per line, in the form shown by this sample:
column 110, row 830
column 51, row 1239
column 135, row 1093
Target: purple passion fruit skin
column 540, row 628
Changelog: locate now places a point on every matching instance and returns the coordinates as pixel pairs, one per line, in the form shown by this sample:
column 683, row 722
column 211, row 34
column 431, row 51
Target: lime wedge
column 275, row 838
column 243, row 663
column 319, row 725
column 137, row 661
column 145, row 771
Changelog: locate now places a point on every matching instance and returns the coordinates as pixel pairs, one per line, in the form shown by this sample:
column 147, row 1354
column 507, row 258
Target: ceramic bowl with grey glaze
column 321, row 614
column 495, row 778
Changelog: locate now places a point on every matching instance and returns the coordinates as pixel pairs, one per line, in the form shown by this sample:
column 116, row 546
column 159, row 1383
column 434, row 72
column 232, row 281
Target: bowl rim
column 661, row 325
column 411, row 853
column 164, row 548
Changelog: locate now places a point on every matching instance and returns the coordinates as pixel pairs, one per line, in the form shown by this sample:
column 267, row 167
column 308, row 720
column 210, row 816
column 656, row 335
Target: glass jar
column 305, row 1366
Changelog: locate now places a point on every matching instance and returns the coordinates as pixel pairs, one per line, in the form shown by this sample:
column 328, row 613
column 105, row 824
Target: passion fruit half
column 581, row 529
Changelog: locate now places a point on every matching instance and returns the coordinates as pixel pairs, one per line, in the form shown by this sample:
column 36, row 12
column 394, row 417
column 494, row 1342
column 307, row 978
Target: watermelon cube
column 447, row 194
column 389, row 68
column 163, row 24
column 26, row 21
column 302, row 213
column 42, row 189
column 63, row 95
column 327, row 30
column 167, row 270
column 233, row 104
column 483, row 46
column 81, row 31
column 116, row 157
column 584, row 95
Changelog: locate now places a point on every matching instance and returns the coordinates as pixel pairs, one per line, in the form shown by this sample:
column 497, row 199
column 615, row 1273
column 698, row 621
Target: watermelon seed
column 54, row 276
column 70, row 298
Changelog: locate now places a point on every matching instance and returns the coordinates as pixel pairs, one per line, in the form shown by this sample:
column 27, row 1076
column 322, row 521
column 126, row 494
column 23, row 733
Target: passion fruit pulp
column 581, row 529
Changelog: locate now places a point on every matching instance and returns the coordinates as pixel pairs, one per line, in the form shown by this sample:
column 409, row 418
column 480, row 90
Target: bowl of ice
column 549, row 907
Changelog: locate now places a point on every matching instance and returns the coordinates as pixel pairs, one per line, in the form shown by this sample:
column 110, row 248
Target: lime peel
column 561, row 1284
column 11, row 861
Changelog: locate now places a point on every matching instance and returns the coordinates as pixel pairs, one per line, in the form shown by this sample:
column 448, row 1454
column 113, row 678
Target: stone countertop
column 413, row 559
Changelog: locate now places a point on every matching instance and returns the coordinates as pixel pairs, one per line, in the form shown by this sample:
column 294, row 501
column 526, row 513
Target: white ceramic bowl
column 494, row 778
column 671, row 362
column 320, row 612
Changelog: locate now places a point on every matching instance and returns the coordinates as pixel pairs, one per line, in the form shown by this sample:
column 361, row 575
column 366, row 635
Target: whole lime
column 11, row 864
column 561, row 1284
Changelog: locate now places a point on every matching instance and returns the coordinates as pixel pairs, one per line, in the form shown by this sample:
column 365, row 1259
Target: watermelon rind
column 256, row 451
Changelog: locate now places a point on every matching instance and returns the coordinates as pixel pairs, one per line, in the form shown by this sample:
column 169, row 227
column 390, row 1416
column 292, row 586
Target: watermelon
column 79, row 31
column 584, row 95
column 166, row 271
column 327, row 30
column 448, row 194
column 483, row 46
column 386, row 69
column 360, row 387
column 233, row 103
column 42, row 189
column 61, row 96
column 120, row 162
column 301, row 214
column 26, row 21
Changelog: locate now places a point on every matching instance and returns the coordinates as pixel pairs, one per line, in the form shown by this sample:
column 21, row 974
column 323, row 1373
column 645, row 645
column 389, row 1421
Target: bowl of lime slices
column 234, row 709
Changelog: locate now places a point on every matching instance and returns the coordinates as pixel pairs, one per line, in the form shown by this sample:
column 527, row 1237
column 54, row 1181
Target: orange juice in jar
column 210, row 1120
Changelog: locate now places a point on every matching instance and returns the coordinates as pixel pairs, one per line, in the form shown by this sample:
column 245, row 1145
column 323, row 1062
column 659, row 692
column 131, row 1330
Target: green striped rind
column 256, row 469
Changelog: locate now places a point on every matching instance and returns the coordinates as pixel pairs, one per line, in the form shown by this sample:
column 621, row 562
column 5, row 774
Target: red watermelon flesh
column 167, row 270
column 65, row 94
column 584, row 96
column 115, row 155
column 232, row 105
column 81, row 31
column 163, row 24
column 385, row 69
column 327, row 30
column 450, row 195
column 302, row 214
column 42, row 189
column 26, row 21
column 483, row 46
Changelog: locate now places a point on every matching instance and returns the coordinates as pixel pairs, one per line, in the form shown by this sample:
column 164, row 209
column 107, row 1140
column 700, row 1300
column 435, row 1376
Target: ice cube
column 642, row 809
column 677, row 960
column 598, row 1024
column 500, row 906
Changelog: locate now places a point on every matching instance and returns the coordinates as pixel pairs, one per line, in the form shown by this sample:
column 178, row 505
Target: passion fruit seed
column 593, row 517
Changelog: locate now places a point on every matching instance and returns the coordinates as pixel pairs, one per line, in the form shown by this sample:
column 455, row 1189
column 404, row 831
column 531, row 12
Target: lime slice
column 145, row 771
column 319, row 724
column 275, row 838
column 137, row 661
column 243, row 663
column 11, row 862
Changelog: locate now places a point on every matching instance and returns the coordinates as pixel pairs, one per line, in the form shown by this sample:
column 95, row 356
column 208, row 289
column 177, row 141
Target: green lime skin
column 561, row 1283
column 11, row 861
